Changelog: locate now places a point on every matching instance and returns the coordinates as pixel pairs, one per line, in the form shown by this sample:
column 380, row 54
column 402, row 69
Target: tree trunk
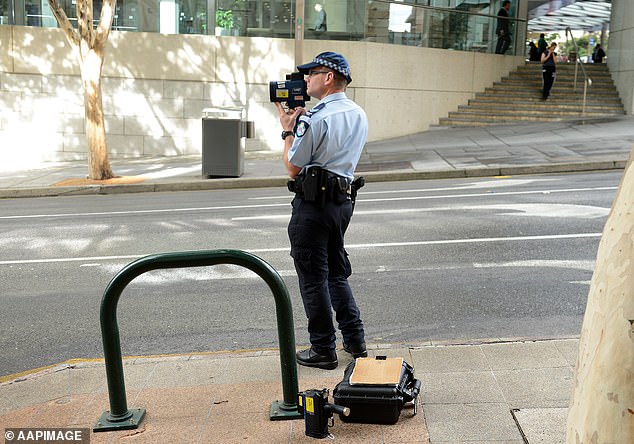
column 98, row 164
column 602, row 404
column 90, row 44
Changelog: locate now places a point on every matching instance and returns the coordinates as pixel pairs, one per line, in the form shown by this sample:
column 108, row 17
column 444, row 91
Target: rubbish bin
column 224, row 133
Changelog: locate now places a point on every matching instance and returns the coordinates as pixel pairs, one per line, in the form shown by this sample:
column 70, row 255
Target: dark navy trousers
column 323, row 268
column 548, row 74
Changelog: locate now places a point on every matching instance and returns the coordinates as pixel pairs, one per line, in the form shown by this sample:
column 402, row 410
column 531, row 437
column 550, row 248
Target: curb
column 134, row 359
column 280, row 181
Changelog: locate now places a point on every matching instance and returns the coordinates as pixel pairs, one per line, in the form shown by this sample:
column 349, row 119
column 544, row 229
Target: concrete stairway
column 517, row 97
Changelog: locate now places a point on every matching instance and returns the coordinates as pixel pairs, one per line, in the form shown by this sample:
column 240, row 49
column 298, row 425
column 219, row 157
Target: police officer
column 321, row 150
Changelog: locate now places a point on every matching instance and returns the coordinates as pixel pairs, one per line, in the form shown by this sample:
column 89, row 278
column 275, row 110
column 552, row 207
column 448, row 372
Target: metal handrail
column 120, row 417
column 587, row 81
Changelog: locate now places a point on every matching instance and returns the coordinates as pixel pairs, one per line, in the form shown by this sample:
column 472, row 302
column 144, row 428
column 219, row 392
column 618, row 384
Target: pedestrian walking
column 503, row 29
column 598, row 54
column 549, row 69
column 321, row 150
column 532, row 52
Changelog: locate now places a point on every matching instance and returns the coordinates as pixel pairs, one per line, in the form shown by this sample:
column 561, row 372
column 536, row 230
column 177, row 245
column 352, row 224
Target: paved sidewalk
column 500, row 392
column 439, row 153
column 505, row 391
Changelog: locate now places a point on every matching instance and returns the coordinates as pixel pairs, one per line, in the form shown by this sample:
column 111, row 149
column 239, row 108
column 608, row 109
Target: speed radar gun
column 318, row 413
column 291, row 91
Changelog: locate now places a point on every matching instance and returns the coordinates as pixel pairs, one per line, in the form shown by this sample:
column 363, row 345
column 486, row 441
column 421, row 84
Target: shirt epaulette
column 315, row 109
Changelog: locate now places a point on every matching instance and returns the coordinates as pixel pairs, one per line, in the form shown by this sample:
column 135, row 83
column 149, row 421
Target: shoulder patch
column 302, row 126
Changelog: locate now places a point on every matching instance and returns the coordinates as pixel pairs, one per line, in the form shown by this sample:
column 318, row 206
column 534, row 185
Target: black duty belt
column 319, row 185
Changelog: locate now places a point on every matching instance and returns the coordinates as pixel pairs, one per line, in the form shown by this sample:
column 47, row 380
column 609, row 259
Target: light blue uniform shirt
column 331, row 136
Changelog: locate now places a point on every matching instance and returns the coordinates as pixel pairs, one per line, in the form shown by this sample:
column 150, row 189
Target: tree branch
column 84, row 22
column 105, row 24
column 64, row 23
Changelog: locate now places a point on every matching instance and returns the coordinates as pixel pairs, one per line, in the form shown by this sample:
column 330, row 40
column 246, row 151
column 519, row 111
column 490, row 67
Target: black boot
column 310, row 358
column 356, row 350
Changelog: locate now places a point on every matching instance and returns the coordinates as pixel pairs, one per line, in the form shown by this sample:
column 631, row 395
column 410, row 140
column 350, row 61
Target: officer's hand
column 288, row 117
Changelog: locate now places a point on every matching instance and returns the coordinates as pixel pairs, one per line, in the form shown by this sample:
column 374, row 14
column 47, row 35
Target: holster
column 356, row 184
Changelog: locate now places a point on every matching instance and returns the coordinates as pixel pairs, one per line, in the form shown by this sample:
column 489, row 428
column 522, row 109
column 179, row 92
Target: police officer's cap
column 331, row 60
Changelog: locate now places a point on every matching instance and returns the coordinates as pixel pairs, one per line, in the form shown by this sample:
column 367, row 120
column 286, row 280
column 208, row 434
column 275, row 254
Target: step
column 457, row 121
column 565, row 67
column 539, row 107
column 562, row 83
column 517, row 97
column 509, row 91
column 519, row 80
column 512, row 90
column 598, row 76
column 568, row 80
column 571, row 72
column 522, row 114
column 536, row 98
column 466, row 122
column 529, row 89
column 567, row 71
column 560, row 89
column 534, row 116
column 568, row 66
column 571, row 78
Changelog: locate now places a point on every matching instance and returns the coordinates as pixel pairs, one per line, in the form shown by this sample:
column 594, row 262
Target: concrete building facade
column 156, row 86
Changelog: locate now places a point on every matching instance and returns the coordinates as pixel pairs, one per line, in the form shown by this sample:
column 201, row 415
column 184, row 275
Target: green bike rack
column 119, row 417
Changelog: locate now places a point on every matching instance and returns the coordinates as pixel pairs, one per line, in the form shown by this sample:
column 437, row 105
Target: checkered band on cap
column 343, row 70
column 331, row 60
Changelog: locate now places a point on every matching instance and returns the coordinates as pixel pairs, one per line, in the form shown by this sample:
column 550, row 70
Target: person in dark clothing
column 549, row 69
column 542, row 46
column 598, row 54
column 502, row 30
column 532, row 52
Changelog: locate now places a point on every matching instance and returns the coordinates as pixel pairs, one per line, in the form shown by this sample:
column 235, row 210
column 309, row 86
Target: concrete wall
column 621, row 50
column 156, row 86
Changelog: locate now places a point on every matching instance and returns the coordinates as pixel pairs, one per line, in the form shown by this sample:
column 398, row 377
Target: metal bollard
column 119, row 417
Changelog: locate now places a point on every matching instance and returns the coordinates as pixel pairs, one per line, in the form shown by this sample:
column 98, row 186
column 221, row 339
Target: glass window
column 4, row 12
column 33, row 12
column 259, row 18
column 192, row 17
column 467, row 25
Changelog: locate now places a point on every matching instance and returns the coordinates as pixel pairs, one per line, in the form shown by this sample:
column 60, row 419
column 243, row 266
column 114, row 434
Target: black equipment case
column 376, row 403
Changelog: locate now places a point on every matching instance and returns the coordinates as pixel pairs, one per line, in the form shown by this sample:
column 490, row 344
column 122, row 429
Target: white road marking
column 474, row 241
column 536, row 210
column 127, row 212
column 550, row 263
column 491, row 194
column 286, row 204
column 348, row 246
